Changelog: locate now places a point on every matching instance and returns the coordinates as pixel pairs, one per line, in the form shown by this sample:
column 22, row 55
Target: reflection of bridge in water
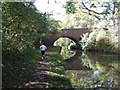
column 73, row 34
column 75, row 63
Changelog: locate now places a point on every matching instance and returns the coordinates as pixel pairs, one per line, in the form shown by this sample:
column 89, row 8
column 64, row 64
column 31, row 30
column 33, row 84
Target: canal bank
column 48, row 73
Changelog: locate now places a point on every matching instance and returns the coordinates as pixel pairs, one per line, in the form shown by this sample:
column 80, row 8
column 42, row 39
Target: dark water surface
column 93, row 70
column 89, row 69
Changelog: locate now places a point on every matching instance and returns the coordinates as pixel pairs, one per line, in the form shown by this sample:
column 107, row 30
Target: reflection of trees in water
column 65, row 43
column 66, row 53
column 104, row 71
column 106, row 64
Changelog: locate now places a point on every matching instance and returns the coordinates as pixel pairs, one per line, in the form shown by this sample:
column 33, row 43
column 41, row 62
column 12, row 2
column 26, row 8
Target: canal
column 93, row 70
column 90, row 69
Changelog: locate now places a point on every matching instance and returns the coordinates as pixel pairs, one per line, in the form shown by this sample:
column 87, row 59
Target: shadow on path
column 38, row 76
column 47, row 74
column 37, row 79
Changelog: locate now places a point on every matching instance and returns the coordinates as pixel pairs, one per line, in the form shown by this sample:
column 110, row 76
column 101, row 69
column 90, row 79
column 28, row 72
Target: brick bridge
column 73, row 34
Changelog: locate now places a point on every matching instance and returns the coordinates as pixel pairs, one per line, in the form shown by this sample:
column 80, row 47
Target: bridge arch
column 73, row 34
column 66, row 43
column 70, row 38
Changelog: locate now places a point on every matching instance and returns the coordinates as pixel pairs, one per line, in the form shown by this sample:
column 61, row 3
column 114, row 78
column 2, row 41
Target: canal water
column 89, row 69
column 93, row 70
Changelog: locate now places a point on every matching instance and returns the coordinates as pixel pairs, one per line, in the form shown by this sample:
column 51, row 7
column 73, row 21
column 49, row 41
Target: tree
column 22, row 29
column 100, row 15
column 93, row 10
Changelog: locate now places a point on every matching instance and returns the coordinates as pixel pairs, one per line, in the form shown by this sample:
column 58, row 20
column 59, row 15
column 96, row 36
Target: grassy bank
column 57, row 72
column 15, row 70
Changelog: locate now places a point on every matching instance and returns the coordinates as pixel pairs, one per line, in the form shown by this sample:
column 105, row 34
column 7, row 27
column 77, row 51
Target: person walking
column 43, row 49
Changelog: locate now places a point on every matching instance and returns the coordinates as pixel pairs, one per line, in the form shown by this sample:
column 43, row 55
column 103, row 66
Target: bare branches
column 93, row 15
column 91, row 10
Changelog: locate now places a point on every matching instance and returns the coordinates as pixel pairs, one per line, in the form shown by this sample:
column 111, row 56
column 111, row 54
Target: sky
column 53, row 8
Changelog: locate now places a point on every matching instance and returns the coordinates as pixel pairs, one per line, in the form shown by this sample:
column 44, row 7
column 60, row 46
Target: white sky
column 53, row 8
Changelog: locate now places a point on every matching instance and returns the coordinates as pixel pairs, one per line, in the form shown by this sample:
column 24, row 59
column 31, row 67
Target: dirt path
column 38, row 77
column 46, row 75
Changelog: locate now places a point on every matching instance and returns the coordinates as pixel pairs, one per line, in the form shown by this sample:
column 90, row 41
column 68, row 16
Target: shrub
column 100, row 40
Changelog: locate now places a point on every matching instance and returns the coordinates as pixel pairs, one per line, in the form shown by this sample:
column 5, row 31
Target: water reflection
column 65, row 44
column 104, row 71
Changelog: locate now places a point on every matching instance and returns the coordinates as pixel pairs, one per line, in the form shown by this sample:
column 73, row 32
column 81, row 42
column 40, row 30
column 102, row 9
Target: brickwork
column 73, row 34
